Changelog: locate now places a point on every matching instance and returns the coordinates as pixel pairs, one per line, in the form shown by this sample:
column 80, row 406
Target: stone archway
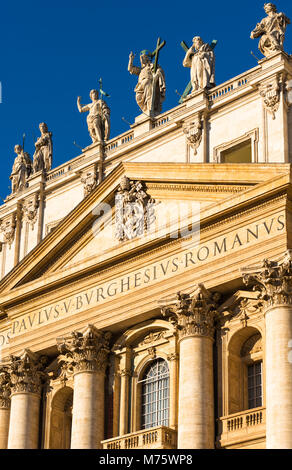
column 61, row 419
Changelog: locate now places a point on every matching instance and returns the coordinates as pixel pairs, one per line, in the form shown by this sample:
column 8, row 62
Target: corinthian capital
column 86, row 352
column 5, row 387
column 192, row 314
column 273, row 280
column 27, row 372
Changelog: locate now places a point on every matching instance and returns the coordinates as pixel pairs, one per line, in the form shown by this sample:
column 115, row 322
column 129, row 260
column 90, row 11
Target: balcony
column 246, row 427
column 159, row 437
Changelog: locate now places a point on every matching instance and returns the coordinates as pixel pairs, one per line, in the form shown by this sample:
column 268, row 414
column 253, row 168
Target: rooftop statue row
column 24, row 167
column 150, row 90
column 200, row 58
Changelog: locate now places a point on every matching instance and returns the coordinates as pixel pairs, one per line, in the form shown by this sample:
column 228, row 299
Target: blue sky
column 53, row 51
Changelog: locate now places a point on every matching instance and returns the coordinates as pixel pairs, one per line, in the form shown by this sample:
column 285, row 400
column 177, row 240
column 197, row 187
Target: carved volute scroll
column 86, row 352
column 27, row 372
column 273, row 280
column 192, row 315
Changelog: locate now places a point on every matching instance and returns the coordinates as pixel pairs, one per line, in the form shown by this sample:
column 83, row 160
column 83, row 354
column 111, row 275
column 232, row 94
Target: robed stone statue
column 42, row 159
column 21, row 169
column 150, row 89
column 200, row 58
column 98, row 119
column 271, row 30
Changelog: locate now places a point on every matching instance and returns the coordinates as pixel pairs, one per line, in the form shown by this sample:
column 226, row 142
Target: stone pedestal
column 87, row 352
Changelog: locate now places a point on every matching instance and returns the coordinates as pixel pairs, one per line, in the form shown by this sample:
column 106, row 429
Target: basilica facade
column 145, row 293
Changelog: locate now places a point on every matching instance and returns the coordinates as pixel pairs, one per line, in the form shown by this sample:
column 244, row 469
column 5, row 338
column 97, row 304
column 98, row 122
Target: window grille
column 254, row 374
column 155, row 395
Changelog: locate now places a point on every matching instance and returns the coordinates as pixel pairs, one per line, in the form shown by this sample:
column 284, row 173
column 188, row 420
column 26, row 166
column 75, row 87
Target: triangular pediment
column 85, row 240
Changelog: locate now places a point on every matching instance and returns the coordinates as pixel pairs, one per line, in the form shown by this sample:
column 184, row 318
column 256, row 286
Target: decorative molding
column 89, row 180
column 273, row 281
column 86, row 352
column 5, row 387
column 253, row 135
column 252, row 345
column 192, row 314
column 152, row 337
column 216, row 188
column 7, row 227
column 270, row 93
column 30, row 209
column 151, row 352
column 193, row 131
column 173, row 357
column 134, row 210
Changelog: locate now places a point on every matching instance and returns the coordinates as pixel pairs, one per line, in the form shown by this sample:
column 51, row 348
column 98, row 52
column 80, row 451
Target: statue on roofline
column 21, row 170
column 98, row 119
column 271, row 30
column 200, row 58
column 42, row 159
column 150, row 89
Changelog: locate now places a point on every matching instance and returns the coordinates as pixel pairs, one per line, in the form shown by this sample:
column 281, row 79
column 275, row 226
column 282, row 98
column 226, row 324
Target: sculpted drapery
column 200, row 58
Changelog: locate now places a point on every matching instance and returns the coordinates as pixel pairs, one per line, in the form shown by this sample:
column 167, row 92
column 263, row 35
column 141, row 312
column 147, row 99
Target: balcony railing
column 159, row 437
column 243, row 426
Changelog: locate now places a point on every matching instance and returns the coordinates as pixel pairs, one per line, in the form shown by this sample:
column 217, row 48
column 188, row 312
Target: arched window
column 155, row 395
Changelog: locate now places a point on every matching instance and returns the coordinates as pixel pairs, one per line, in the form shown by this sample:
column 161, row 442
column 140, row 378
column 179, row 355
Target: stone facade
column 197, row 297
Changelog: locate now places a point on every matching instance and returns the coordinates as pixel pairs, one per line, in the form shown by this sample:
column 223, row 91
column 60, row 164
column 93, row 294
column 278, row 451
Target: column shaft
column 4, row 426
column 278, row 378
column 88, row 410
column 196, row 394
column 24, row 421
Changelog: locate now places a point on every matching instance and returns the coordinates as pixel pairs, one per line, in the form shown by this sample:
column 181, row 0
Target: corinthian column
column 193, row 317
column 26, row 380
column 4, row 406
column 87, row 352
column 273, row 280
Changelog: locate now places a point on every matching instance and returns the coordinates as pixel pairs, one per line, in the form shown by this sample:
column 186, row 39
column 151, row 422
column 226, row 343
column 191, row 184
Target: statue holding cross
column 200, row 58
column 150, row 89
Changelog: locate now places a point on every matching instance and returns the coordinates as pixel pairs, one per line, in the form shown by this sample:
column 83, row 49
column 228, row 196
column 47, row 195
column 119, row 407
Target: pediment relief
column 75, row 245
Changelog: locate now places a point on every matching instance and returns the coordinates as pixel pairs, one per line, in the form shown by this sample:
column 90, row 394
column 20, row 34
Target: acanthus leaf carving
column 5, row 387
column 27, row 372
column 86, row 352
column 192, row 315
column 270, row 93
column 89, row 180
column 272, row 280
column 7, row 227
column 30, row 209
column 193, row 131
